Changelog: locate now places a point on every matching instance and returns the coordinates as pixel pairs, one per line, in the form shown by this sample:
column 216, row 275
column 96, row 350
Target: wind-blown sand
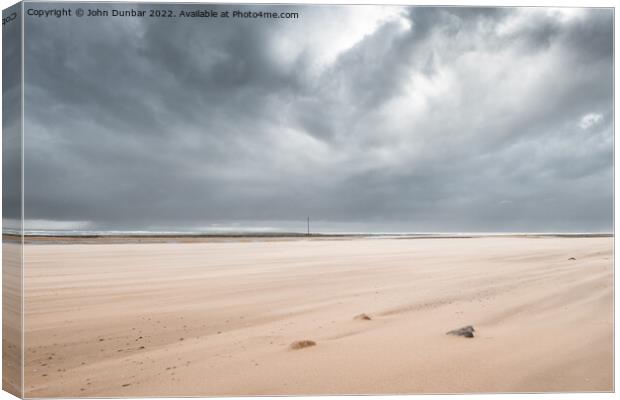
column 219, row 318
column 11, row 318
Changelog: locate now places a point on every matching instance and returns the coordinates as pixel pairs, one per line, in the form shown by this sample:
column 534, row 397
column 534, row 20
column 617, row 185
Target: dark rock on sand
column 466, row 331
column 572, row 259
column 364, row 317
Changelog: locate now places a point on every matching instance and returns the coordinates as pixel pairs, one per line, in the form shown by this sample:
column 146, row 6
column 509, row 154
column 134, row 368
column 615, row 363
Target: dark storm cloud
column 11, row 120
column 432, row 119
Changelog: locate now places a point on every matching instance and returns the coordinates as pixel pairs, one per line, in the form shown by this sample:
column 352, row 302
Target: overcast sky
column 365, row 118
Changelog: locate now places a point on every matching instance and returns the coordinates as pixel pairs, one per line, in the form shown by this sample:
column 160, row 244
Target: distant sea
column 256, row 232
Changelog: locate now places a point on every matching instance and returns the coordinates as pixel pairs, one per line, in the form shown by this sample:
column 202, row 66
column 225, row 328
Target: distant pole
column 308, row 226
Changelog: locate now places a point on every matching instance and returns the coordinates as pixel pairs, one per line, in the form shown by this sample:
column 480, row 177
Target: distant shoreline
column 205, row 237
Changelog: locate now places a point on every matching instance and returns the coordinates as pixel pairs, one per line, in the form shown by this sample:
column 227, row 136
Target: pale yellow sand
column 11, row 318
column 219, row 318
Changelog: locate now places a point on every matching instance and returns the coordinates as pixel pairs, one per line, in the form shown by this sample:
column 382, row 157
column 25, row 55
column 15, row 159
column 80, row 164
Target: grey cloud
column 11, row 120
column 435, row 121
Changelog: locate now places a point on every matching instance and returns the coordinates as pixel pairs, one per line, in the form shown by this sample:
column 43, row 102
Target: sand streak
column 219, row 318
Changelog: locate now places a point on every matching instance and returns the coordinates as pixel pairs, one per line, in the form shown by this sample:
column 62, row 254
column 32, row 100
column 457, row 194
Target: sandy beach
column 219, row 318
column 11, row 318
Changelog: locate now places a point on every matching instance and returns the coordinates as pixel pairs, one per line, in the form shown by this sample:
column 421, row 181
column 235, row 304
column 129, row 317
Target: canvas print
column 297, row 199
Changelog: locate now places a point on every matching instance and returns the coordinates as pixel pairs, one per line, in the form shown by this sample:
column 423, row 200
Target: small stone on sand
column 300, row 344
column 466, row 331
column 364, row 317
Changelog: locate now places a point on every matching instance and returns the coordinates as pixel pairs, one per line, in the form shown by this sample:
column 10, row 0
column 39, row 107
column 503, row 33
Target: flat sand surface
column 218, row 318
column 11, row 318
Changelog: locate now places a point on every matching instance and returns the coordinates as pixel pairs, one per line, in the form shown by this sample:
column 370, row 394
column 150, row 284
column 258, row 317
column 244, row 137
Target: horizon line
column 244, row 233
